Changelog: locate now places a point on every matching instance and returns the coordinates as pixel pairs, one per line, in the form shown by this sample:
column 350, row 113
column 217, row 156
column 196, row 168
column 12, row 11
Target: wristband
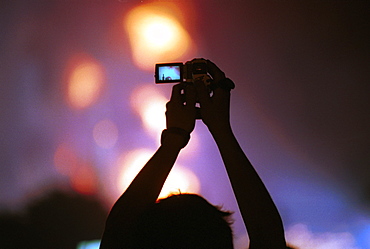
column 178, row 131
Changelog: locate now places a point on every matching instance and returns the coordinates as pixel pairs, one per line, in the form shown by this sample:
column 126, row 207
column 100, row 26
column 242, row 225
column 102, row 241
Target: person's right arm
column 259, row 213
column 146, row 186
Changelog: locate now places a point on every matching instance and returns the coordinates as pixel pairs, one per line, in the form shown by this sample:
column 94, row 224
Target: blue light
column 364, row 237
column 93, row 244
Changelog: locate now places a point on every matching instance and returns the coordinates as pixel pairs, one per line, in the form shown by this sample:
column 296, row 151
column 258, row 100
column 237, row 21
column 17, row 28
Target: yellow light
column 154, row 116
column 180, row 179
column 150, row 104
column 160, row 33
column 85, row 81
column 131, row 163
column 156, row 34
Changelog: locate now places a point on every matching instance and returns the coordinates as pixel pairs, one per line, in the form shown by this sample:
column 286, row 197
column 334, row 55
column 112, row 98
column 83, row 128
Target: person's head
column 183, row 221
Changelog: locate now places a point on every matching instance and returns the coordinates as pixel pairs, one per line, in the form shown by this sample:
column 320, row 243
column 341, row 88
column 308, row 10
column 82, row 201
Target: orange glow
column 150, row 104
column 131, row 163
column 180, row 178
column 84, row 179
column 81, row 174
column 85, row 81
column 156, row 34
column 159, row 33
column 105, row 134
column 65, row 159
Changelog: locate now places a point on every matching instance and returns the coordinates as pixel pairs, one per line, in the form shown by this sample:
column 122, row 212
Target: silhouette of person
column 138, row 220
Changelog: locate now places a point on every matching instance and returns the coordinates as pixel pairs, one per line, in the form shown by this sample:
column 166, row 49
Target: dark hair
column 183, row 221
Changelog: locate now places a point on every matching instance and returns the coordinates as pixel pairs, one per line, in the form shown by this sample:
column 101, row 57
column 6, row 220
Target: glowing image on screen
column 169, row 73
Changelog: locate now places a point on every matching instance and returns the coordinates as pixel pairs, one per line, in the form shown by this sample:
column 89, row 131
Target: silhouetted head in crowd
column 183, row 221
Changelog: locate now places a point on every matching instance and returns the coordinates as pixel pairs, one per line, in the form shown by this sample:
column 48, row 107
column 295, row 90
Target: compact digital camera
column 195, row 69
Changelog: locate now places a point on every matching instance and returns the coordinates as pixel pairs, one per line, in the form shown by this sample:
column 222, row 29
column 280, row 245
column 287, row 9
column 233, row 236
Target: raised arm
column 260, row 215
column 145, row 188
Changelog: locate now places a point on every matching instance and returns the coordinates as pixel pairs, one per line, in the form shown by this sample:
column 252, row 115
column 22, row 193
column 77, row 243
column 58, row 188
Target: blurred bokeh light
column 150, row 104
column 180, row 179
column 81, row 174
column 85, row 81
column 105, row 133
column 157, row 34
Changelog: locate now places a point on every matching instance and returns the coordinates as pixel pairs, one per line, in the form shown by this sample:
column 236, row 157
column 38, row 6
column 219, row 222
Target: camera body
column 195, row 69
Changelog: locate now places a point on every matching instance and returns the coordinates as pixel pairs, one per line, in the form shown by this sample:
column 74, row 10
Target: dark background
column 300, row 108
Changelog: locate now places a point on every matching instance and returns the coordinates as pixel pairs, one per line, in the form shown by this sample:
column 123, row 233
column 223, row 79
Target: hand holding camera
column 180, row 110
column 212, row 90
column 196, row 69
column 215, row 108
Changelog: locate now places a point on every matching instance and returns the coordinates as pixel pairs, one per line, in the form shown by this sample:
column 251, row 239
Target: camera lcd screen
column 168, row 73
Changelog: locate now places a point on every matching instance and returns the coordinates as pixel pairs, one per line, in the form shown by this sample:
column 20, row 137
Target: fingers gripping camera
column 192, row 71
